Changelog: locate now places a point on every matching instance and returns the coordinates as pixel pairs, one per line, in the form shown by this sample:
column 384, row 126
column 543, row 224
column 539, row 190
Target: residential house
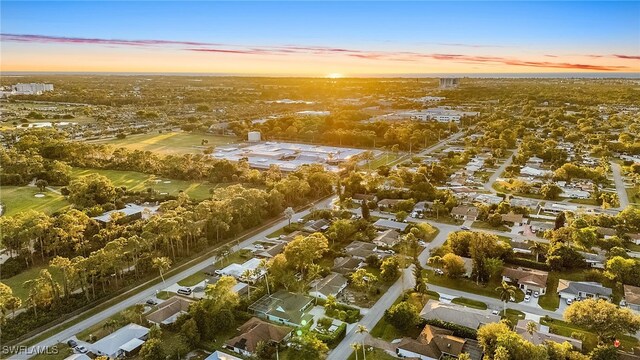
column 606, row 233
column 542, row 335
column 632, row 297
column 634, row 238
column 366, row 197
column 122, row 342
column 169, row 310
column 582, row 290
column 390, row 224
column 387, row 238
column 535, row 161
column 515, row 219
column 531, row 171
column 467, row 213
column 331, row 285
column 520, row 247
column 283, row 307
column 361, row 250
column 346, row 265
column 457, row 314
column 249, row 271
column 255, row 331
column 556, row 208
column 387, row 204
column 319, row 225
column 527, row 279
column 435, row 343
column 488, row 199
column 532, row 205
column 597, row 261
column 271, row 251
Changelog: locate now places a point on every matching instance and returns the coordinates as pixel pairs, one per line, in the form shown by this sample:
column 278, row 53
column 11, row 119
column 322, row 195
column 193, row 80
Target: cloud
column 284, row 50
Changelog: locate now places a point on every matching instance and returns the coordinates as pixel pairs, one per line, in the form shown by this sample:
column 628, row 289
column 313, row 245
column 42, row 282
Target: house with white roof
column 120, row 343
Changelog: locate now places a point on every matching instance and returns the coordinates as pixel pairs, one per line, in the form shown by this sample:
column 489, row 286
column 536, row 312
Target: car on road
column 217, row 272
column 464, row 227
column 495, row 312
column 72, row 343
column 258, row 246
column 422, row 243
column 81, row 349
column 536, row 294
column 151, row 302
column 185, row 291
column 569, row 301
column 527, row 298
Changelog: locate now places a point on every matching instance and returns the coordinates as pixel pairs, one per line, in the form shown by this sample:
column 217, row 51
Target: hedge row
column 528, row 263
column 335, row 337
column 458, row 330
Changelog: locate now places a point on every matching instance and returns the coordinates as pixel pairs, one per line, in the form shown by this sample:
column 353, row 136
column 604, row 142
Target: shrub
column 12, row 267
column 334, row 337
column 458, row 330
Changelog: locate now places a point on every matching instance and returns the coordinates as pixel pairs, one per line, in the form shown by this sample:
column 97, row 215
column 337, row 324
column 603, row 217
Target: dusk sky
column 317, row 39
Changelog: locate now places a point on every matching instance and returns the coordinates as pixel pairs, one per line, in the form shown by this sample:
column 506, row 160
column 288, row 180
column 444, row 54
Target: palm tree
column 537, row 248
column 111, row 325
column 355, row 346
column 506, row 293
column 531, row 327
column 162, row 264
column 361, row 330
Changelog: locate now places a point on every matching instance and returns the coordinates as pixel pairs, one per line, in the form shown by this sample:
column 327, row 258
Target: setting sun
column 334, row 76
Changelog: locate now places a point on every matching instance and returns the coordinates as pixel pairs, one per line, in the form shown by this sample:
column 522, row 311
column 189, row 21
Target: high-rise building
column 31, row 88
column 449, row 83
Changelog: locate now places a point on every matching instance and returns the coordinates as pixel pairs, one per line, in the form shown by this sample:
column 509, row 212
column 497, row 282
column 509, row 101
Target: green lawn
column 16, row 283
column 633, row 193
column 584, row 201
column 470, row 303
column 193, row 280
column 21, row 198
column 381, row 160
column 590, row 339
column 170, row 142
column 513, row 316
column 487, row 226
column 376, row 354
column 468, row 285
column 63, row 351
column 136, row 181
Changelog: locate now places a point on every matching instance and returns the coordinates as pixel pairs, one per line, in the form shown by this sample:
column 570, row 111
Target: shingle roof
column 575, row 287
column 632, row 294
column 527, row 276
column 457, row 314
column 256, row 330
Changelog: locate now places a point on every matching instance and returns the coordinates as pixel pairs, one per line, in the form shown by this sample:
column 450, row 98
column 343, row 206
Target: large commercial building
column 287, row 156
column 31, row 88
column 440, row 114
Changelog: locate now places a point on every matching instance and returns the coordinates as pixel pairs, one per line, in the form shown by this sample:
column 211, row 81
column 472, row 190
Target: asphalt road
column 489, row 184
column 619, row 181
column 141, row 297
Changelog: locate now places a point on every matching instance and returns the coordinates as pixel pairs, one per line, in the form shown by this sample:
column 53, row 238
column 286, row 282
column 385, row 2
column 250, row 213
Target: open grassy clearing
column 375, row 354
column 470, row 303
column 136, row 181
column 21, row 198
column 170, row 142
column 16, row 283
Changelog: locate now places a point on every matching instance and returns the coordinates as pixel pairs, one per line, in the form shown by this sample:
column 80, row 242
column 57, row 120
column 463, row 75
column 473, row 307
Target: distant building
column 449, row 83
column 253, row 136
column 122, row 342
column 31, row 88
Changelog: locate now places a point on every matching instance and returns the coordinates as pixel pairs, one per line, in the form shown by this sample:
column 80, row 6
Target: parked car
column 569, row 301
column 463, row 227
column 184, row 291
column 81, row 349
column 439, row 272
column 528, row 292
column 152, row 302
column 258, row 246
column 536, row 294
column 527, row 298
column 72, row 343
column 217, row 272
column 495, row 312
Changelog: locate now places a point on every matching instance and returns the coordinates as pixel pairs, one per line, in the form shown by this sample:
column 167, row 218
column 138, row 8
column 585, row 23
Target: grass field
column 169, row 143
column 136, row 181
column 21, row 198
column 470, row 303
column 468, row 285
column 16, row 283
column 633, row 193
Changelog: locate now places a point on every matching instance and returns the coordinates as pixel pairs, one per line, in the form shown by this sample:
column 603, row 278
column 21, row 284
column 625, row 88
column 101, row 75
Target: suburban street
column 620, row 188
column 489, row 184
column 141, row 297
